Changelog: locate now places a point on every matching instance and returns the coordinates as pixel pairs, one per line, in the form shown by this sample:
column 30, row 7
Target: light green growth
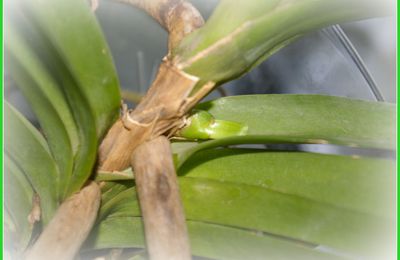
column 202, row 125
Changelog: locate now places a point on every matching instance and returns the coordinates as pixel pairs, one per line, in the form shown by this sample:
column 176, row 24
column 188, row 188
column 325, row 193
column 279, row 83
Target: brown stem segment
column 69, row 228
column 159, row 111
column 158, row 192
column 178, row 17
column 168, row 97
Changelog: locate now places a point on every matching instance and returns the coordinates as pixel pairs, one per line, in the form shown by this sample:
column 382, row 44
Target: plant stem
column 70, row 226
column 158, row 192
column 178, row 17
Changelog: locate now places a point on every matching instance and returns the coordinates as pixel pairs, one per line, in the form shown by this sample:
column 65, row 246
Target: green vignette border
column 2, row 126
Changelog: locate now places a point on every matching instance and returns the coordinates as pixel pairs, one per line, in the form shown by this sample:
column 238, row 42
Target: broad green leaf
column 18, row 201
column 341, row 202
column 304, row 119
column 238, row 36
column 208, row 240
column 352, row 182
column 252, row 207
column 28, row 149
column 46, row 100
column 311, row 118
column 74, row 53
column 357, row 183
column 78, row 40
column 104, row 235
column 292, row 216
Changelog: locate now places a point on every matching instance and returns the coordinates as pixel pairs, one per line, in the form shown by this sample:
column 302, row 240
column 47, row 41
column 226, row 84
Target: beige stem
column 158, row 191
column 69, row 228
column 178, row 17
column 158, row 112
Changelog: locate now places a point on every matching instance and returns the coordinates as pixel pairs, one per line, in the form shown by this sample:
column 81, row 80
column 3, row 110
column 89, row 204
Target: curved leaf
column 341, row 202
column 357, row 183
column 75, row 58
column 252, row 207
column 18, row 202
column 347, row 121
column 207, row 240
column 47, row 102
column 77, row 39
column 247, row 32
column 27, row 148
column 111, row 189
column 352, row 182
column 303, row 119
column 112, row 205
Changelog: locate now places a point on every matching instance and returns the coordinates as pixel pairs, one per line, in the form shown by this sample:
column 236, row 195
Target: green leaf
column 114, row 175
column 304, row 119
column 207, row 240
column 284, row 210
column 361, row 184
column 67, row 54
column 46, row 100
column 28, row 149
column 18, row 201
column 342, row 202
column 78, row 40
column 252, row 207
column 111, row 189
column 342, row 120
column 357, row 183
column 238, row 36
column 326, row 118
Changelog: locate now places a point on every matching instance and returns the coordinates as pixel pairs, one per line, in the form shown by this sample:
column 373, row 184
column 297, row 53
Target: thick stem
column 158, row 192
column 69, row 228
column 167, row 99
column 158, row 112
column 178, row 17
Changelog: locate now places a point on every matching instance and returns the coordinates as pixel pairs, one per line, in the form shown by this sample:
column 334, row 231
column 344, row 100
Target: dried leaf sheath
column 159, row 112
